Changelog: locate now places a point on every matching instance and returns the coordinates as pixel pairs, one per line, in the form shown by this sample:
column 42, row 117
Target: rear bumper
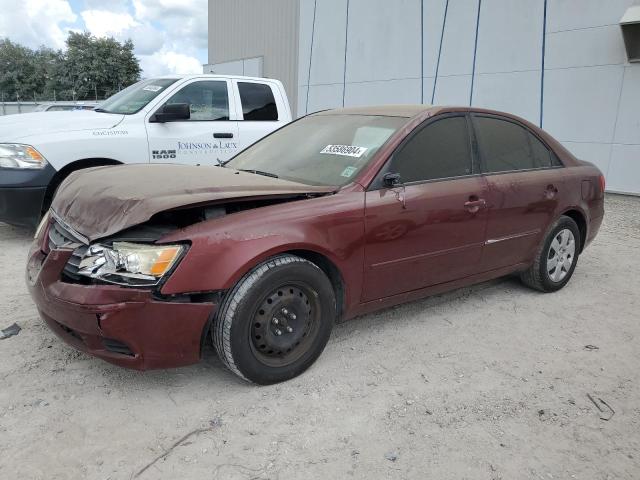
column 593, row 229
column 123, row 326
column 22, row 193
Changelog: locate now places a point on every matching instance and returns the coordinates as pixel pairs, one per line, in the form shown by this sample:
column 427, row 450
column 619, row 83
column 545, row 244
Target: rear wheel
column 276, row 321
column 556, row 258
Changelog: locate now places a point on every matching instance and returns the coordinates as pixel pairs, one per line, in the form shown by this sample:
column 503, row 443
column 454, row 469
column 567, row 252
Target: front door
column 209, row 137
column 525, row 189
column 430, row 229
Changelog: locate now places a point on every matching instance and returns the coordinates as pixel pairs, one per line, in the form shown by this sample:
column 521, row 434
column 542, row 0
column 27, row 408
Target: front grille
column 61, row 237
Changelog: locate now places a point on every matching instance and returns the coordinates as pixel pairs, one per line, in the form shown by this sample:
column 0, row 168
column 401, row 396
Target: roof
column 183, row 76
column 407, row 111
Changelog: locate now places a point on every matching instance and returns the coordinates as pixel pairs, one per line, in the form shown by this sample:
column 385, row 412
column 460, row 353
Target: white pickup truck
column 190, row 119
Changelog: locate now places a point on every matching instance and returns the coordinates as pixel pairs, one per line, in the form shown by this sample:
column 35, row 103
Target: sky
column 170, row 36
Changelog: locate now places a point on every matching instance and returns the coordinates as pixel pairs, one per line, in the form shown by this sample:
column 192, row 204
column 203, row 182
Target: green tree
column 90, row 67
column 18, row 79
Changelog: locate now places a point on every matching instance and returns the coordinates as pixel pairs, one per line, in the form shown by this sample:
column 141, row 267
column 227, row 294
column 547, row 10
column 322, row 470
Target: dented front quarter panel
column 225, row 249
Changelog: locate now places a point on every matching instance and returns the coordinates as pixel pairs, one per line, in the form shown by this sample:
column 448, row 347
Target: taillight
column 602, row 183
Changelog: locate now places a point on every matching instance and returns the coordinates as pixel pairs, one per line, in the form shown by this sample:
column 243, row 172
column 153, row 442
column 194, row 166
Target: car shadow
column 212, row 372
column 10, row 232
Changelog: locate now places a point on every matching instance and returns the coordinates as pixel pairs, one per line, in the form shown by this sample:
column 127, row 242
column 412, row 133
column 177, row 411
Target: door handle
column 223, row 135
column 474, row 204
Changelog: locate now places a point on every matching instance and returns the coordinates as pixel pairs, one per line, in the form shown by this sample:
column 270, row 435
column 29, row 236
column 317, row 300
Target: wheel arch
column 331, row 271
column 317, row 256
column 64, row 172
column 579, row 217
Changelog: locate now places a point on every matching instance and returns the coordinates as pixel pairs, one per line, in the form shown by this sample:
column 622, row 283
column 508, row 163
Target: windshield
column 134, row 98
column 319, row 149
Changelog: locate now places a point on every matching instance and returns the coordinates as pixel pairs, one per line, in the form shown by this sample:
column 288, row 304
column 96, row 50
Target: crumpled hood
column 19, row 126
column 101, row 201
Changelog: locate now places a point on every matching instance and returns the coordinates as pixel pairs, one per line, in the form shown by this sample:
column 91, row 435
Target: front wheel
column 276, row 320
column 556, row 259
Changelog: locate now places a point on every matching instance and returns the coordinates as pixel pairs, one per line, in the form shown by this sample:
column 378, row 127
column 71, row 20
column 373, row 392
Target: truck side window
column 208, row 100
column 258, row 102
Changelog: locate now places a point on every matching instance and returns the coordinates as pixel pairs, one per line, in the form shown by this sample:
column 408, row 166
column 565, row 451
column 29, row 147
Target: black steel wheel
column 276, row 321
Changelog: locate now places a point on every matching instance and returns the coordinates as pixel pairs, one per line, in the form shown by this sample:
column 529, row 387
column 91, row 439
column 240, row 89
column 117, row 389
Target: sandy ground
column 483, row 383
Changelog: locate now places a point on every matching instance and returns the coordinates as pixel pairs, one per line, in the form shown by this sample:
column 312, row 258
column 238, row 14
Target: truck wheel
column 556, row 258
column 275, row 322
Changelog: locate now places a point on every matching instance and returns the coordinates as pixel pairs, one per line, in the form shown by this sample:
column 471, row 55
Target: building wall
column 486, row 53
column 264, row 32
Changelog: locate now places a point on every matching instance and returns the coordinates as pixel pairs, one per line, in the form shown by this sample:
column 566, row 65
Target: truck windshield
column 327, row 149
column 134, row 98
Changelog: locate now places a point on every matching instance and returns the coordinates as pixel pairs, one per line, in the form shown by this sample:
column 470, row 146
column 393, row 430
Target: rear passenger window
column 439, row 150
column 541, row 155
column 506, row 146
column 258, row 102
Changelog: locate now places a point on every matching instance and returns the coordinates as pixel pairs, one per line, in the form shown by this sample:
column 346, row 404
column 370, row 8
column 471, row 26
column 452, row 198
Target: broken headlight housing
column 15, row 155
column 131, row 264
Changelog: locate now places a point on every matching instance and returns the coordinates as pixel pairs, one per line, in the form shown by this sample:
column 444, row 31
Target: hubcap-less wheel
column 284, row 325
column 561, row 255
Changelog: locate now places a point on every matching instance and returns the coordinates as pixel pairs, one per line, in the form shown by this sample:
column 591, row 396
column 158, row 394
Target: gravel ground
column 489, row 382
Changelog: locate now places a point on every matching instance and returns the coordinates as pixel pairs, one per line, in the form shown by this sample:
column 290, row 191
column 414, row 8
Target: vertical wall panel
column 305, row 36
column 327, row 66
column 384, row 40
column 585, row 48
column 433, row 17
column 459, row 38
column 510, row 36
column 322, row 97
column 624, row 171
column 514, row 92
column 628, row 121
column 383, row 92
column 580, row 104
column 256, row 28
column 575, row 14
column 591, row 94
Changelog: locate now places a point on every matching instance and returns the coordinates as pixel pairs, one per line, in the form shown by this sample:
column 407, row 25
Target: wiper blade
column 260, row 172
column 101, row 110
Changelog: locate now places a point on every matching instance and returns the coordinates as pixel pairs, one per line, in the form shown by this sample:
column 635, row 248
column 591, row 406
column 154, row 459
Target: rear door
column 524, row 189
column 209, row 137
column 262, row 110
column 431, row 229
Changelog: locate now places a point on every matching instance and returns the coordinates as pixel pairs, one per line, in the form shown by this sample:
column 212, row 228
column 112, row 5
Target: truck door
column 262, row 110
column 208, row 137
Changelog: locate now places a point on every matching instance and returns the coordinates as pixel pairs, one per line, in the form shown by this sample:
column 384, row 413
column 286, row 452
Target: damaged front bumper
column 124, row 326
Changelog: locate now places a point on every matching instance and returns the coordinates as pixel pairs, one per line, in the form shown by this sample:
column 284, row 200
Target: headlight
column 132, row 264
column 14, row 155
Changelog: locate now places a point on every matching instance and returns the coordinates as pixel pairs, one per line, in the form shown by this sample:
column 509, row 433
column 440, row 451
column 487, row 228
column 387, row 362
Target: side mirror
column 172, row 112
column 391, row 180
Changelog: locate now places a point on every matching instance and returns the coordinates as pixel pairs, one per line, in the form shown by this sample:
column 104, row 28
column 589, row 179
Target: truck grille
column 61, row 237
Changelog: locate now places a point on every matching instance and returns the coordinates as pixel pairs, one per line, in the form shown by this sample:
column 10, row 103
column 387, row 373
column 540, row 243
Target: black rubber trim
column 22, row 192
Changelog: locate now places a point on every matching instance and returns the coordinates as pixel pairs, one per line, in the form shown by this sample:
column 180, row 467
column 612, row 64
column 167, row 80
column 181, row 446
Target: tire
column 556, row 258
column 275, row 322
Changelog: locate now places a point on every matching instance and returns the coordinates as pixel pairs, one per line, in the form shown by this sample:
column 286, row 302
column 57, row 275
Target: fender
column 230, row 246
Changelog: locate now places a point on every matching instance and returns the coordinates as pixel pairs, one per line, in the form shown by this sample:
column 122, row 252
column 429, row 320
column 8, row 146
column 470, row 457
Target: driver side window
column 439, row 150
column 208, row 100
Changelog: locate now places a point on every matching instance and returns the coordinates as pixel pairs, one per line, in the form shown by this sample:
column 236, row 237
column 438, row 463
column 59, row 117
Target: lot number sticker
column 346, row 150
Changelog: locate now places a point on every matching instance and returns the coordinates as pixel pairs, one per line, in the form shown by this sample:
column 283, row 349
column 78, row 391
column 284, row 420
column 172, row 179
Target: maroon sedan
column 340, row 213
